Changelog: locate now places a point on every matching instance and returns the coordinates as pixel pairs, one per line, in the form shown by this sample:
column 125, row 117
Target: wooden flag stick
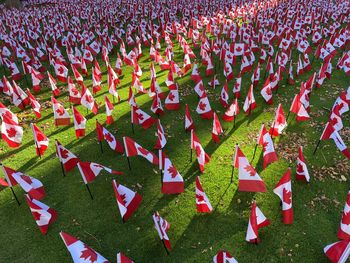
column 63, row 172
column 287, row 116
column 132, row 128
column 318, row 143
column 234, row 121
column 101, row 146
column 166, row 249
column 233, row 169
column 88, row 188
column 191, row 156
column 256, row 146
column 15, row 196
column 128, row 163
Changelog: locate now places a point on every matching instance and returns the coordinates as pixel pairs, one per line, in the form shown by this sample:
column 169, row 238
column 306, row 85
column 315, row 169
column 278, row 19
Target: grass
column 195, row 237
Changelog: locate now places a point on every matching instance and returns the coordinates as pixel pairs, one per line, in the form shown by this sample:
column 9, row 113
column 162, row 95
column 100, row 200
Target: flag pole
column 128, row 163
column 59, row 155
column 287, row 116
column 256, row 146
column 132, row 128
column 15, row 196
column 88, row 188
column 166, row 249
column 318, row 143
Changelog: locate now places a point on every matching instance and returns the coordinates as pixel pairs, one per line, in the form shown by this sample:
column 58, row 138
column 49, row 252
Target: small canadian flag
column 172, row 182
column 284, row 191
column 257, row 220
column 266, row 142
column 217, row 129
column 344, row 228
column 302, row 173
column 202, row 202
column 79, row 123
column 40, row 140
column 189, row 125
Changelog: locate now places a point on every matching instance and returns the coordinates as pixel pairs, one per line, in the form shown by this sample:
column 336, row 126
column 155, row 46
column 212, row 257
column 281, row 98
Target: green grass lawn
column 195, row 237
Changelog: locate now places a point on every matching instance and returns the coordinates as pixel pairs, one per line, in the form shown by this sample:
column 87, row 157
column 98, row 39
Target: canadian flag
column 224, row 97
column 172, row 182
column 132, row 149
column 19, row 97
column 113, row 82
column 199, row 89
column 96, row 79
column 11, row 131
column 121, row 258
column 41, row 141
column 284, row 191
column 204, row 109
column 4, row 111
column 156, row 106
column 55, row 91
column 89, row 170
column 298, row 108
column 80, row 252
column 248, row 178
column 302, row 173
column 217, row 129
column 43, row 215
column 202, row 157
column 172, row 101
column 9, row 180
column 74, row 94
column 79, row 123
column 266, row 92
column 249, row 103
column 162, row 226
column 330, row 132
column 8, row 90
column 113, row 143
column 118, row 65
column 137, row 84
column 338, row 252
column 78, row 77
column 109, row 108
column 256, row 76
column 138, row 116
column 60, row 114
column 257, row 220
column 344, row 228
column 187, row 64
column 237, row 87
column 128, row 200
column 36, row 79
column 202, row 202
column 266, row 142
column 170, row 81
column 224, row 257
column 231, row 112
column 67, row 158
column 35, row 104
column 87, row 100
column 61, row 71
column 228, row 73
column 279, row 123
column 189, row 125
column 33, row 187
column 195, row 76
column 161, row 140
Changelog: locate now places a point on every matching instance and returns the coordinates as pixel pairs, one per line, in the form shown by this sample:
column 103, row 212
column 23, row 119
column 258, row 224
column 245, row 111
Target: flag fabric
column 138, row 116
column 43, row 215
column 113, row 143
column 60, row 114
column 89, row 170
column 32, row 186
column 257, row 220
column 283, row 190
column 279, row 124
column 79, row 123
column 87, row 100
column 202, row 157
column 35, row 104
column 67, row 158
column 41, row 142
column 344, row 228
column 79, row 251
column 109, row 108
column 172, row 181
column 265, row 140
column 338, row 252
column 189, row 125
column 133, row 149
column 161, row 140
column 249, row 103
column 128, row 200
column 302, row 173
column 55, row 91
column 74, row 94
column 217, row 129
column 224, row 257
column 11, row 132
column 202, row 202
column 248, row 178
column 9, row 180
column 121, row 258
column 298, row 108
column 204, row 108
column 162, row 226
column 231, row 112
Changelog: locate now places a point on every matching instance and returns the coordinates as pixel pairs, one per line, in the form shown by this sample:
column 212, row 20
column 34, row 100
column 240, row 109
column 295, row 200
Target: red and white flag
column 37, row 77
column 161, row 140
column 266, row 142
column 162, row 226
column 87, row 100
column 89, row 170
column 298, row 108
column 302, row 173
column 338, row 252
column 217, row 129
column 74, row 94
column 11, row 132
column 172, row 182
column 79, row 123
column 202, row 202
column 284, row 191
column 41, row 141
column 279, row 123
column 231, row 112
column 35, row 104
column 55, row 91
column 128, row 200
column 344, row 228
column 224, row 97
column 138, row 116
column 78, row 77
column 43, row 215
column 67, row 158
column 257, row 220
column 202, row 157
column 121, row 258
column 61, row 71
column 80, row 252
column 204, row 109
column 266, row 92
column 60, row 114
column 172, row 100
column 249, row 103
column 109, row 109
column 133, row 149
column 189, row 125
column 32, row 186
column 248, row 178
column 224, row 257
column 113, row 143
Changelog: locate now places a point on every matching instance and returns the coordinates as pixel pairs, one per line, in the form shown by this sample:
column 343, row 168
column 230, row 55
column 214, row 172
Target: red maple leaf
column 202, row 106
column 143, row 151
column 74, row 91
column 171, row 96
column 238, row 49
column 109, row 137
column 249, row 168
column 27, row 179
column 265, row 144
column 60, row 70
column 302, row 46
column 60, row 111
column 8, row 115
column 11, row 132
column 172, row 170
column 139, row 116
column 300, row 168
column 122, row 197
column 268, row 91
column 64, row 153
column 88, row 254
column 345, row 218
column 287, row 196
column 88, row 98
column 36, row 215
column 200, row 198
